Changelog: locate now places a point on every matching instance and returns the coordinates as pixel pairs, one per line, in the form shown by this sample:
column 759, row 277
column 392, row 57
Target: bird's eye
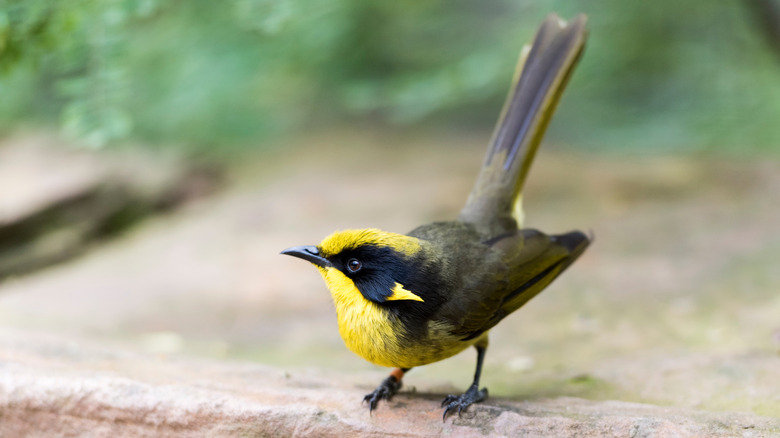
column 354, row 265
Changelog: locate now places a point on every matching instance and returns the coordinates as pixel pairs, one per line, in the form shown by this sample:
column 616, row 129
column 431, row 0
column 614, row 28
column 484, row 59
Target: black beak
column 308, row 253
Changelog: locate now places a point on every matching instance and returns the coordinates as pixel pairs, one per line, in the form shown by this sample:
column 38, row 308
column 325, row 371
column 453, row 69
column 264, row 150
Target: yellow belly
column 374, row 336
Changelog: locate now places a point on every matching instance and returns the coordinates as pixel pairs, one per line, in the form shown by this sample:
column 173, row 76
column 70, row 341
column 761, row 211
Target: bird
column 408, row 300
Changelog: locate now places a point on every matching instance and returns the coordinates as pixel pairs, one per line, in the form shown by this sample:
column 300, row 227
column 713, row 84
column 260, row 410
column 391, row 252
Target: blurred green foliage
column 657, row 75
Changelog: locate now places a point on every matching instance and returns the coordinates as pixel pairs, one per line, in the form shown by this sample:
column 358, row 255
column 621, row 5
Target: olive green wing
column 531, row 261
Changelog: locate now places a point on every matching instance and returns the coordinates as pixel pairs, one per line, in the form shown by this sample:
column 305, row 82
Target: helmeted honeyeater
column 408, row 300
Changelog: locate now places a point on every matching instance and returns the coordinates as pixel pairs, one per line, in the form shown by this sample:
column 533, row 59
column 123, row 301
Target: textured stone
column 53, row 387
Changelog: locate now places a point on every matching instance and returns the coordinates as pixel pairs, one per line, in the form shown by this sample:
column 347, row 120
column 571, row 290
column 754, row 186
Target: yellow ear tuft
column 399, row 293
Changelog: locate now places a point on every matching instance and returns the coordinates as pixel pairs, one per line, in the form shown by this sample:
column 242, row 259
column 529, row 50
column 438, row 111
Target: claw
column 444, row 417
column 372, row 400
column 385, row 391
column 463, row 401
column 449, row 399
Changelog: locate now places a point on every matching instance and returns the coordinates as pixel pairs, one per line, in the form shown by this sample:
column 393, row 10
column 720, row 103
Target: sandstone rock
column 52, row 387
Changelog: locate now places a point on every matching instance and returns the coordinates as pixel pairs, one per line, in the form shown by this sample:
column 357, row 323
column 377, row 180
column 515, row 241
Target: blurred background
column 156, row 155
column 212, row 76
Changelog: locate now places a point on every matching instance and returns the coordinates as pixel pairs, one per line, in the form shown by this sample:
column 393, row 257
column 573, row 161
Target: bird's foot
column 385, row 391
column 463, row 401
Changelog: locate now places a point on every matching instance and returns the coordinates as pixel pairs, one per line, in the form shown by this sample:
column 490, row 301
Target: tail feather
column 540, row 78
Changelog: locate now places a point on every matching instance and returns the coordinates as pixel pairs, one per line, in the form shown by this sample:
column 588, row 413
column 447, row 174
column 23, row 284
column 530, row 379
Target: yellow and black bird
column 404, row 301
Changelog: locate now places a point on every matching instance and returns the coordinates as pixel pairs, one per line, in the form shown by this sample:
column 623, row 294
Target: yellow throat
column 367, row 329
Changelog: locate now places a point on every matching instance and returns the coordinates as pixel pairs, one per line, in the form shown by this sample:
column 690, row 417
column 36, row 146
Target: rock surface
column 57, row 387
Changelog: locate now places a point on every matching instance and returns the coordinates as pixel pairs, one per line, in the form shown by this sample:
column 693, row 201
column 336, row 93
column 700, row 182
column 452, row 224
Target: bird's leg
column 387, row 389
column 472, row 395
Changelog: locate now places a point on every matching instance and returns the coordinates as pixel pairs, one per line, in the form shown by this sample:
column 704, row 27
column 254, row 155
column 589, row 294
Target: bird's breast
column 374, row 333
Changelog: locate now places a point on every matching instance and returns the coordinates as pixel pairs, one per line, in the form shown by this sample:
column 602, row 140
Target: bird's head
column 373, row 264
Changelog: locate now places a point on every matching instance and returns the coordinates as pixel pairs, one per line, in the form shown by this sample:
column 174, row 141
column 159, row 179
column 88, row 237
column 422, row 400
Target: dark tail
column 541, row 75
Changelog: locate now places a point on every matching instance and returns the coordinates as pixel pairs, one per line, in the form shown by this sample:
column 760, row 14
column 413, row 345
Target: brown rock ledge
column 55, row 387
